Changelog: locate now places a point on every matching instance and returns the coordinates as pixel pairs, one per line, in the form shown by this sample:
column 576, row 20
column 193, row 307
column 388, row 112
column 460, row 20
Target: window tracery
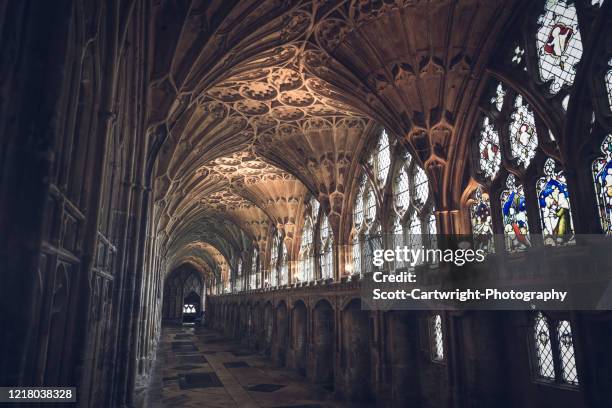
column 284, row 271
column 490, row 151
column 306, row 258
column 555, row 356
column 523, row 135
column 274, row 260
column 555, row 213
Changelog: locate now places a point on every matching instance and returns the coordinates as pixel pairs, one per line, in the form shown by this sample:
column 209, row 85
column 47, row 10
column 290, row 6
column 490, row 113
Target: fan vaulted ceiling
column 254, row 103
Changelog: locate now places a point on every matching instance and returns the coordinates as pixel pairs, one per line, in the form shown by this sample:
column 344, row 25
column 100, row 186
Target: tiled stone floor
column 196, row 367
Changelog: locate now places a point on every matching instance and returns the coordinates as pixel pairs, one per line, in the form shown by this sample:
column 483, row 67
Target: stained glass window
column 498, row 99
column 543, row 347
column 517, row 56
column 559, row 44
column 383, row 157
column 566, row 353
column 514, row 215
column 553, row 200
column 490, row 152
column 305, row 273
column 602, row 176
column 482, row 226
column 325, row 257
column 437, row 338
column 284, row 275
column 523, row 136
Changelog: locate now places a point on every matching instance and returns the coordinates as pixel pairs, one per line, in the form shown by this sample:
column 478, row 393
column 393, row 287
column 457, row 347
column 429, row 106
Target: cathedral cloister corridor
column 296, row 203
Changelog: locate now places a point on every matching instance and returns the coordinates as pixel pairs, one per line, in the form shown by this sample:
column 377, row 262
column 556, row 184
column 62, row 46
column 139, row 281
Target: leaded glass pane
column 553, row 199
column 314, row 205
column 358, row 209
column 546, row 366
column 274, row 261
column 305, row 273
column 514, row 213
column 371, row 206
column 602, row 176
column 490, row 152
column 482, row 225
column 414, row 237
column 523, row 136
column 402, row 196
column 559, row 44
column 356, row 255
column 284, row 276
column 421, row 187
column 383, row 157
column 566, row 352
column 437, row 338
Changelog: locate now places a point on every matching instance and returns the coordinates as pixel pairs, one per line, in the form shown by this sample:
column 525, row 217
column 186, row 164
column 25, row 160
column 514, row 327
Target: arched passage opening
column 282, row 334
column 356, row 355
column 402, row 354
column 323, row 342
column 184, row 286
column 268, row 327
column 299, row 321
column 191, row 307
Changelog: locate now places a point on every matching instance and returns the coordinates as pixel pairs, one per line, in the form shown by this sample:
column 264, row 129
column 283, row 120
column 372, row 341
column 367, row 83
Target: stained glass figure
column 553, row 199
column 482, row 226
column 546, row 365
column 437, row 338
column 559, row 44
column 566, row 352
column 490, row 152
column 498, row 99
column 602, row 176
column 523, row 136
column 514, row 214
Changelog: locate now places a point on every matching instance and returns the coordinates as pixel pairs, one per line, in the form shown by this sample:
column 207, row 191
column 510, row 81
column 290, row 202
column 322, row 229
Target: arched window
column 546, row 366
column 239, row 278
column 437, row 338
column 284, row 271
column 555, row 213
column 523, row 135
column 602, row 176
column 413, row 217
column 523, row 144
column 326, row 251
column 306, row 258
column 254, row 277
column 274, row 260
column 514, row 215
column 554, row 351
column 482, row 226
column 382, row 159
column 359, row 226
column 559, row 44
